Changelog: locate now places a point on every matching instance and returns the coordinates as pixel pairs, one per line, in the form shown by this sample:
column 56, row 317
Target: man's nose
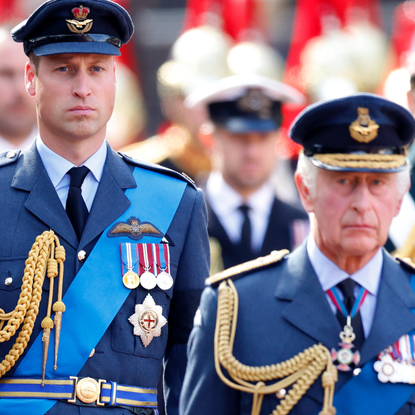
column 81, row 86
column 361, row 197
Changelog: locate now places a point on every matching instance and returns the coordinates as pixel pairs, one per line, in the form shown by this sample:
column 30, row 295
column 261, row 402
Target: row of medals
column 147, row 280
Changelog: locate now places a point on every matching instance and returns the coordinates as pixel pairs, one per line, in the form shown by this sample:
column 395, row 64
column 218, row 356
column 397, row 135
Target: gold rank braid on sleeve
column 300, row 372
column 46, row 257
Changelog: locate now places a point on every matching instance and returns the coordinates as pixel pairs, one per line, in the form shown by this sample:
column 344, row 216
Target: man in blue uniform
column 134, row 237
column 339, row 304
column 246, row 218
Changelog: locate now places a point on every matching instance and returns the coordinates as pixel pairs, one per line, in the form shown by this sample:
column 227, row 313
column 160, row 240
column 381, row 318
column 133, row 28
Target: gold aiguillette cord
column 57, row 256
column 300, row 372
column 24, row 315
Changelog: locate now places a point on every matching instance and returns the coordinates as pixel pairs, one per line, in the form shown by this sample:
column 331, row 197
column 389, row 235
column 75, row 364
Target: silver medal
column 164, row 280
column 148, row 280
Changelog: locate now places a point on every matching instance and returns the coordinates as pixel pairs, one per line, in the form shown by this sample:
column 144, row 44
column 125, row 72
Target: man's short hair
column 35, row 60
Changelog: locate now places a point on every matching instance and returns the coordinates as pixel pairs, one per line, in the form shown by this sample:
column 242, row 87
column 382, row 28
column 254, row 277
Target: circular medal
column 148, row 280
column 388, row 369
column 345, row 356
column 131, row 280
column 164, row 280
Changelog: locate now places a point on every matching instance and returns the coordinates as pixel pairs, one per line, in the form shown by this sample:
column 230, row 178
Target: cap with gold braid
column 68, row 26
column 362, row 132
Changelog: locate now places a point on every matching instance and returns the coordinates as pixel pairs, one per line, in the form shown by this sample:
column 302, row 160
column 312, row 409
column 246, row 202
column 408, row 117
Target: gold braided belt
column 45, row 257
column 301, row 371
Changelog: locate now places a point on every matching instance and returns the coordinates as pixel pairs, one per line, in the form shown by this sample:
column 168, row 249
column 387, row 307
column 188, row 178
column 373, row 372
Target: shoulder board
column 9, row 157
column 406, row 263
column 158, row 169
column 241, row 269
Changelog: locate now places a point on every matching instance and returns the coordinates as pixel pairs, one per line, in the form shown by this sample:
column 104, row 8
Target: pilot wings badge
column 134, row 229
column 80, row 24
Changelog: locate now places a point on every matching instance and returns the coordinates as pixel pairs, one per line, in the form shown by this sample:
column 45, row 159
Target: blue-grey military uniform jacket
column 282, row 311
column 30, row 205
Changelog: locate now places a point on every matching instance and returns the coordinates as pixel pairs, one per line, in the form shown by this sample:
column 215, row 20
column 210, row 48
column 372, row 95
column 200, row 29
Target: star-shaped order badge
column 390, row 370
column 147, row 320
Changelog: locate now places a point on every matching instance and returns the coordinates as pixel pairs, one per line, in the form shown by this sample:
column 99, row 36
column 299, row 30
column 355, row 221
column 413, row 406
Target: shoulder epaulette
column 241, row 269
column 158, row 168
column 406, row 263
column 9, row 157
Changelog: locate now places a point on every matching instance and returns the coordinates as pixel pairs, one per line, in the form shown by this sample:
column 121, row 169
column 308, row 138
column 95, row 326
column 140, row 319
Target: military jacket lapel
column 110, row 201
column 43, row 200
column 393, row 316
column 308, row 308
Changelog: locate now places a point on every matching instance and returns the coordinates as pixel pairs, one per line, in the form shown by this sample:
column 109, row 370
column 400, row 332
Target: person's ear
column 206, row 137
column 306, row 197
column 30, row 78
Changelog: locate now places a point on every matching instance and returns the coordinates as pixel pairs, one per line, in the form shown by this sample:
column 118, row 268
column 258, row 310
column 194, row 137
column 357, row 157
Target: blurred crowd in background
column 323, row 48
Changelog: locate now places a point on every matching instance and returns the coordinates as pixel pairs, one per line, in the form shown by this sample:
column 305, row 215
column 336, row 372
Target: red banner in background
column 8, row 10
column 309, row 20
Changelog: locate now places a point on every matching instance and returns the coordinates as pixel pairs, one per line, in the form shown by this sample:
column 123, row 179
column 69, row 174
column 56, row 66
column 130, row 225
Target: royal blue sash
column 365, row 394
column 97, row 292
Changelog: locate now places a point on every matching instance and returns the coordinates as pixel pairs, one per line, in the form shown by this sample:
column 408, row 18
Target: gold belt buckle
column 87, row 390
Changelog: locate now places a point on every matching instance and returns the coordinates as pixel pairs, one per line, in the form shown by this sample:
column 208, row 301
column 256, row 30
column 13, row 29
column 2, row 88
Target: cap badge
column 134, row 229
column 147, row 320
column 255, row 101
column 81, row 24
column 364, row 129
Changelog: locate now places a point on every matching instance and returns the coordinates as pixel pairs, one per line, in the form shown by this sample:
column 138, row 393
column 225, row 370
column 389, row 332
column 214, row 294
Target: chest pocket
column 11, row 276
column 11, row 279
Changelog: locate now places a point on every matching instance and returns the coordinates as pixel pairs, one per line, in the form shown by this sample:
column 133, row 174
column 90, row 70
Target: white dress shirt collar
column 216, row 189
column 224, row 199
column 330, row 274
column 57, row 166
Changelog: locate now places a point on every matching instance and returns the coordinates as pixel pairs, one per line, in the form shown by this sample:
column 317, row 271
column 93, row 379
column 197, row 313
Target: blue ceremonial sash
column 95, row 295
column 365, row 394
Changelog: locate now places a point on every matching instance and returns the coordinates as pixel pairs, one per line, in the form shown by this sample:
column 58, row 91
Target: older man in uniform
column 339, row 303
column 246, row 217
column 134, row 237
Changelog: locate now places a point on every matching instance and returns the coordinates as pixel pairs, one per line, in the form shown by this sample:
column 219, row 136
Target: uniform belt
column 86, row 390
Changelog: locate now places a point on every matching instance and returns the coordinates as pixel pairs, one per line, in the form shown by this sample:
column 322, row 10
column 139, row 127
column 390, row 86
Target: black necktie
column 245, row 242
column 75, row 204
column 347, row 288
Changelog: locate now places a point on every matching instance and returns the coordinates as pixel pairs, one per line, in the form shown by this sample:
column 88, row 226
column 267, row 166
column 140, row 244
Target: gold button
column 87, row 390
column 92, row 353
column 10, row 154
column 81, row 255
column 8, row 281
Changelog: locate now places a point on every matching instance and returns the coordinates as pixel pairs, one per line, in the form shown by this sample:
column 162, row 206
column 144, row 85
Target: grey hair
column 309, row 171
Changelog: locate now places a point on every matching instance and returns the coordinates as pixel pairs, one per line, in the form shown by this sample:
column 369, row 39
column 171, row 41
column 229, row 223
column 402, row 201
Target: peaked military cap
column 245, row 103
column 69, row 26
column 362, row 132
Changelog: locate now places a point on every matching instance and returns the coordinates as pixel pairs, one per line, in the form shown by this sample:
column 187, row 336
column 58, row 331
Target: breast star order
column 147, row 320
